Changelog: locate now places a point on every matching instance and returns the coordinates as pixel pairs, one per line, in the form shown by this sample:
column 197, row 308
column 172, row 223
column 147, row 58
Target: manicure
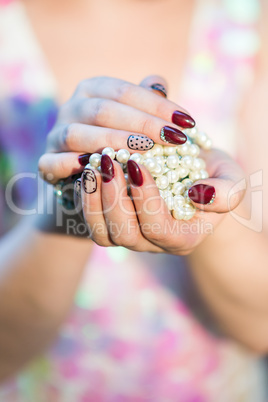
column 202, row 194
column 182, row 119
column 89, row 181
column 172, row 136
column 140, row 142
column 83, row 159
column 160, row 88
column 134, row 173
column 107, row 168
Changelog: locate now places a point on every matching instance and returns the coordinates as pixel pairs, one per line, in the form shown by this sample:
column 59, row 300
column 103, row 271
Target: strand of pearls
column 174, row 169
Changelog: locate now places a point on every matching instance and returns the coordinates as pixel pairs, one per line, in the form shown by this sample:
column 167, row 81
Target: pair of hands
column 106, row 112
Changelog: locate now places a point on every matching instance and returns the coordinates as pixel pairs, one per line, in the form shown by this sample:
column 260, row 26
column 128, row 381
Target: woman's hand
column 108, row 112
column 146, row 224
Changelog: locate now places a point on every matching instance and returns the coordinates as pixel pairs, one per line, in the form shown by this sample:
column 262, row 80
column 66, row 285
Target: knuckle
column 126, row 241
column 124, row 91
column 100, row 111
column 146, row 126
column 69, row 136
column 42, row 163
column 101, row 241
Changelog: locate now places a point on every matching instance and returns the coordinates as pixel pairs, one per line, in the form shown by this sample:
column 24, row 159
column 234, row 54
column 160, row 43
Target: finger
column 119, row 211
column 85, row 138
column 92, row 207
column 136, row 96
column 108, row 113
column 156, row 84
column 225, row 188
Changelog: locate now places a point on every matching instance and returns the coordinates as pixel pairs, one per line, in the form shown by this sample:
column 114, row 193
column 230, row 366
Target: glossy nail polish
column 140, row 142
column 202, row 194
column 182, row 119
column 107, row 168
column 172, row 136
column 160, row 88
column 89, row 181
column 134, row 173
column 83, row 159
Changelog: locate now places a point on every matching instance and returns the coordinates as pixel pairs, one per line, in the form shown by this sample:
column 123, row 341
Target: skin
column 242, row 311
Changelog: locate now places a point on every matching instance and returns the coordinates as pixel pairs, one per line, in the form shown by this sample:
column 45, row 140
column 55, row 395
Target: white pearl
column 194, row 150
column 203, row 174
column 95, row 160
column 173, row 161
column 187, row 182
column 186, row 197
column 157, row 150
column 173, row 176
column 138, row 158
column 122, row 155
column 178, row 213
column 183, row 172
column 166, row 193
column 178, row 188
column 165, row 169
column 208, row 144
column 148, row 154
column 160, row 159
column 187, row 161
column 169, row 150
column 183, row 149
column 189, row 212
column 150, row 164
column 158, row 170
column 199, row 164
column 201, row 138
column 195, row 175
column 191, row 132
column 179, row 201
column 109, row 151
column 162, row 182
column 126, row 177
column 170, row 202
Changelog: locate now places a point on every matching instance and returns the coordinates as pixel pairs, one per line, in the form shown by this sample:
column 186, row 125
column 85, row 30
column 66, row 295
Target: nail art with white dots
column 140, row 142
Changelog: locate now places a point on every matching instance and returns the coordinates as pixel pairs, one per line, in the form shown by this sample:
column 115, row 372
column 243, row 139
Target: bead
column 187, row 182
column 157, row 150
column 160, row 159
column 173, row 161
column 166, row 193
column 109, row 151
column 178, row 213
column 157, row 170
column 191, row 132
column 122, row 155
column 203, row 174
column 169, row 150
column 150, row 164
column 208, row 144
column 178, row 188
column 173, row 176
column 170, row 202
column 186, row 197
column 95, row 160
column 187, row 161
column 126, row 177
column 183, row 172
column 199, row 164
column 201, row 138
column 194, row 150
column 178, row 201
column 148, row 154
column 195, row 175
column 183, row 149
column 138, row 158
column 162, row 182
column 188, row 212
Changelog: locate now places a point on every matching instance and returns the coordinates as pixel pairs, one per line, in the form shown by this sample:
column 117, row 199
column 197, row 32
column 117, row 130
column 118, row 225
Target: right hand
column 105, row 112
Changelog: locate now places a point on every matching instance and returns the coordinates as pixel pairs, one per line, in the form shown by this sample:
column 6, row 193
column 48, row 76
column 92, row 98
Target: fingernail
column 77, row 187
column 172, row 135
column 83, row 159
column 202, row 194
column 89, row 181
column 107, row 168
column 182, row 119
column 140, row 142
column 134, row 173
column 160, row 88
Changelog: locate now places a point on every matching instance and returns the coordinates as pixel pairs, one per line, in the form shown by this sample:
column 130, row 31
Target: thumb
column 155, row 83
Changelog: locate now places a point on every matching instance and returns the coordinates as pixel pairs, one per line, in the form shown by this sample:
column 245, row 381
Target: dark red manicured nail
column 134, row 173
column 172, row 135
column 160, row 88
column 183, row 120
column 202, row 194
column 83, row 159
column 107, row 168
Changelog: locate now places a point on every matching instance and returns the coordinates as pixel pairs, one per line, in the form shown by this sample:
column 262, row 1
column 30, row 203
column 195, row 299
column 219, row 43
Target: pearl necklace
column 174, row 169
